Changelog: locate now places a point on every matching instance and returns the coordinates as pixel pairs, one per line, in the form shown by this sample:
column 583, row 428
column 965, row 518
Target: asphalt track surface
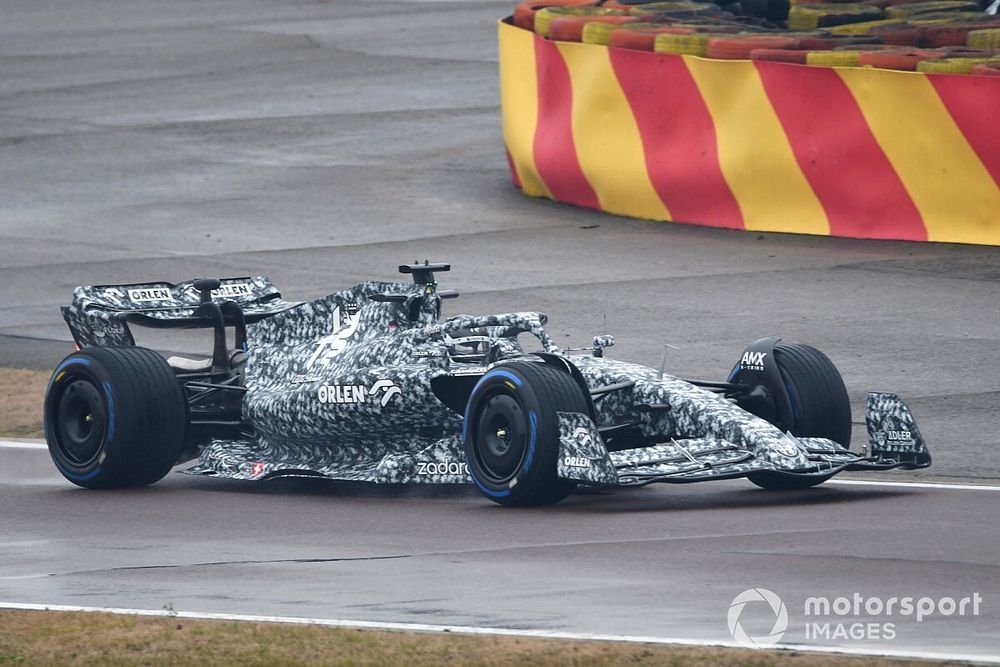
column 324, row 143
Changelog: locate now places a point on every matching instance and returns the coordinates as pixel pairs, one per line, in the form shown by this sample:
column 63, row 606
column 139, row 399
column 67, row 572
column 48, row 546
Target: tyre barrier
column 841, row 56
column 984, row 39
column 643, row 39
column 947, row 34
column 570, row 28
column 639, row 36
column 987, row 69
column 524, row 13
column 694, row 44
column 961, row 65
column 912, row 8
column 824, row 42
column 903, row 58
column 701, row 28
column 730, row 48
column 544, row 18
column 672, row 135
column 806, row 17
column 863, row 28
column 780, row 55
column 900, row 34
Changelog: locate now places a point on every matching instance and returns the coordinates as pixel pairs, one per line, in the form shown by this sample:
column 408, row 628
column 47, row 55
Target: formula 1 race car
column 369, row 384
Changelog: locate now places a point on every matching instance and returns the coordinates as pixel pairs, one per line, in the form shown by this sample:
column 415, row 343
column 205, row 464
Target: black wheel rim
column 80, row 423
column 501, row 438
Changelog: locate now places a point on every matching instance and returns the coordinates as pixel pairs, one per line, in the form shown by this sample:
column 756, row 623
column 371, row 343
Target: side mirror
column 601, row 342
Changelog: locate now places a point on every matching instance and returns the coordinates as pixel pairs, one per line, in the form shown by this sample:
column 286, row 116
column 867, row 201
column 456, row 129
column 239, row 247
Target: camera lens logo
column 777, row 609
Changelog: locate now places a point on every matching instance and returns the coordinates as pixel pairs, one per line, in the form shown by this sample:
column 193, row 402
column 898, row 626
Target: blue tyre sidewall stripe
column 532, row 440
column 66, row 364
column 78, row 478
column 489, row 492
column 111, row 412
column 496, row 372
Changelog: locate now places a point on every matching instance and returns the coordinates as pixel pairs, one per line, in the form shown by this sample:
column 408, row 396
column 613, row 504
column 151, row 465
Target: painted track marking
column 13, row 444
column 917, row 485
column 502, row 632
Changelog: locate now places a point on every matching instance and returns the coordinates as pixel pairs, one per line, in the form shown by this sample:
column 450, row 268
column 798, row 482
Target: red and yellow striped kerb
column 756, row 145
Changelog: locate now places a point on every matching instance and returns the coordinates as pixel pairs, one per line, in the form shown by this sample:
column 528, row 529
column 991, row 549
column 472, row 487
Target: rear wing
column 101, row 314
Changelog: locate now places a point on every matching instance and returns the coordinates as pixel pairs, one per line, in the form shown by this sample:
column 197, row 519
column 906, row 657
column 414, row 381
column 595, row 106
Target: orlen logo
column 149, row 294
column 225, row 291
column 230, row 290
column 338, row 394
column 341, row 393
column 753, row 361
column 576, row 461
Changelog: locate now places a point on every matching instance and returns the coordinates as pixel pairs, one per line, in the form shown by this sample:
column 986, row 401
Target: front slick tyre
column 512, row 432
column 820, row 406
column 114, row 417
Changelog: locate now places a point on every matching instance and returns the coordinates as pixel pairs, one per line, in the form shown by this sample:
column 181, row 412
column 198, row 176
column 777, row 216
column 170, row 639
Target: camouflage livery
column 367, row 384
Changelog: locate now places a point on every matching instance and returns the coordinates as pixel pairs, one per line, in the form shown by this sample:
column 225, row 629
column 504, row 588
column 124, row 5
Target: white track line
column 916, row 485
column 13, row 444
column 500, row 632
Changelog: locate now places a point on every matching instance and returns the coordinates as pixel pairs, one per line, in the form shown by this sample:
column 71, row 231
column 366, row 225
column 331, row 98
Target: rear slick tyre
column 114, row 417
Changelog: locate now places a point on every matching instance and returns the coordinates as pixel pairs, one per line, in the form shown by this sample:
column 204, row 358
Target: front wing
column 894, row 442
